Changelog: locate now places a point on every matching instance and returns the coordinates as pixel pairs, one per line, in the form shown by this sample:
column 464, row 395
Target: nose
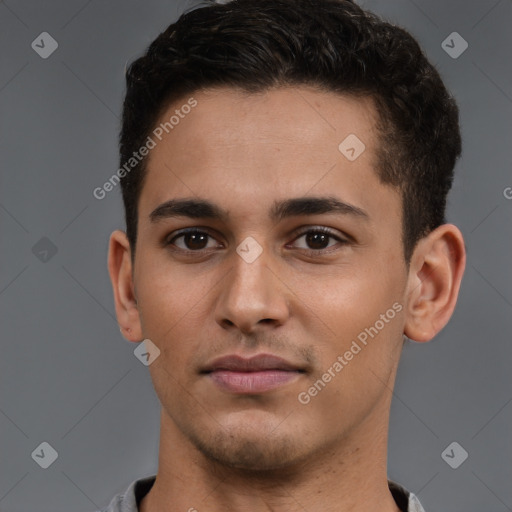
column 253, row 297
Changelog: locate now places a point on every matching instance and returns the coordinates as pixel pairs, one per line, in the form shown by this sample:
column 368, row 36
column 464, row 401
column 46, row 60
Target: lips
column 257, row 374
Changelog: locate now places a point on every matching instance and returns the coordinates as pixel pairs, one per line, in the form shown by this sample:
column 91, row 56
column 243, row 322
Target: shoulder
column 128, row 501
column 406, row 500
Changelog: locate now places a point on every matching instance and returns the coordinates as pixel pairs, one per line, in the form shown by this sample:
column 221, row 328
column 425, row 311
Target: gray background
column 70, row 379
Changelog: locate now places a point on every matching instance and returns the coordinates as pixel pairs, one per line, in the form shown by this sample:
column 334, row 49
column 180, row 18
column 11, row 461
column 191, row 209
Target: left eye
column 318, row 239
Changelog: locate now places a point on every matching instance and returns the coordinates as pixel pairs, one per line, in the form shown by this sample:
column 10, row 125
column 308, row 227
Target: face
column 269, row 272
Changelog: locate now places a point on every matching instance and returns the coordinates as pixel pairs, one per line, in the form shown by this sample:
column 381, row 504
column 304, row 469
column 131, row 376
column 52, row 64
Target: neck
column 349, row 476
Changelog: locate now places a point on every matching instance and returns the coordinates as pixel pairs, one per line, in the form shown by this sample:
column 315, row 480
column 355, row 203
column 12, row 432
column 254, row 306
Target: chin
column 249, row 449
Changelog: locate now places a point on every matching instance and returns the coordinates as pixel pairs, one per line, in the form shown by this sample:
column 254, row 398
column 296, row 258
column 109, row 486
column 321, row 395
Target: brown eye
column 193, row 240
column 318, row 240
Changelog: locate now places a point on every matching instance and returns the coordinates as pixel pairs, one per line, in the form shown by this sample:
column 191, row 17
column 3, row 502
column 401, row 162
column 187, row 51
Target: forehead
column 281, row 115
column 248, row 149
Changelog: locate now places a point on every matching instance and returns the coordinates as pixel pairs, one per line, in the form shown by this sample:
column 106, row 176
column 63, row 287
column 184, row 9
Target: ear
column 120, row 270
column 435, row 274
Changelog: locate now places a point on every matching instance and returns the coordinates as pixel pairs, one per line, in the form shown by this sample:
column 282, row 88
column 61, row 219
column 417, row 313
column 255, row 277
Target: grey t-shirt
column 129, row 500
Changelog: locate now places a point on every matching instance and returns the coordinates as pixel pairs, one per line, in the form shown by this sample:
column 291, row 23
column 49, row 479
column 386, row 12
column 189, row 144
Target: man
column 285, row 166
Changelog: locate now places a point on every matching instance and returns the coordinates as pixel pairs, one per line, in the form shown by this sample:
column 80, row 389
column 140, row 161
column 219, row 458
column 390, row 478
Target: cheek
column 358, row 355
column 167, row 291
column 346, row 302
column 358, row 316
column 170, row 303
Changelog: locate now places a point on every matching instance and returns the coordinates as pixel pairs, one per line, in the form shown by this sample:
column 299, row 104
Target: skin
column 304, row 299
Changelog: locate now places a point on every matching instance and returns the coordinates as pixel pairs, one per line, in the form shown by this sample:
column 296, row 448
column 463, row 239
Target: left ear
column 435, row 274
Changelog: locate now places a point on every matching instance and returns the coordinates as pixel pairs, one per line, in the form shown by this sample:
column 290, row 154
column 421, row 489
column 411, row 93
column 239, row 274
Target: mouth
column 254, row 375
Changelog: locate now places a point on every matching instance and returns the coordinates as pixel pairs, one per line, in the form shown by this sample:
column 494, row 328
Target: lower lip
column 252, row 382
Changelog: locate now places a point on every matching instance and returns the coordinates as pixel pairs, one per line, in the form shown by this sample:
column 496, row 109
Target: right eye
column 193, row 240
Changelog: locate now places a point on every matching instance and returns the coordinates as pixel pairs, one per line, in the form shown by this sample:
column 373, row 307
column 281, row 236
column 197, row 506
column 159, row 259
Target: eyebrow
column 204, row 209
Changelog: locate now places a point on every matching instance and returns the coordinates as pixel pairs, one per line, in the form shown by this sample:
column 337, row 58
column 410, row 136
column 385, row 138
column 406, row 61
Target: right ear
column 121, row 276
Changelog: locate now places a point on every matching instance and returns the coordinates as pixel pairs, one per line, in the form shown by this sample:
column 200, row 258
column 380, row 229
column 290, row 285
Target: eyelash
column 311, row 252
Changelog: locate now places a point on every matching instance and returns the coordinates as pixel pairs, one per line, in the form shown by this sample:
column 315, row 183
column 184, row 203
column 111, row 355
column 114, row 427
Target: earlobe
column 120, row 270
column 435, row 275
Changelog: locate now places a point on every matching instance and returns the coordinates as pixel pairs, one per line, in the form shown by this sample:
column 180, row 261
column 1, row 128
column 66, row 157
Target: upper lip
column 260, row 362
